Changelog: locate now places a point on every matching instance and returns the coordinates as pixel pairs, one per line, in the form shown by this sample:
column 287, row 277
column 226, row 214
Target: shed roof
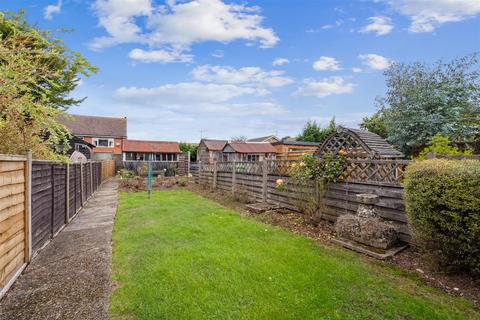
column 81, row 125
column 257, row 147
column 262, row 139
column 151, row 146
column 372, row 144
column 214, row 145
column 296, row 143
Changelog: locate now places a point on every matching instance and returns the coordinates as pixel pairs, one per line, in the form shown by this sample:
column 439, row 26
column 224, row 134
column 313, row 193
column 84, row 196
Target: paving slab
column 70, row 278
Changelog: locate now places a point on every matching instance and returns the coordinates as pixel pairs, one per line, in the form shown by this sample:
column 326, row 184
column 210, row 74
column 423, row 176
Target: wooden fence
column 258, row 181
column 37, row 200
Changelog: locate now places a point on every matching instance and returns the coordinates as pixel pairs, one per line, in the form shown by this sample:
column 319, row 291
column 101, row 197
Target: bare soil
column 411, row 259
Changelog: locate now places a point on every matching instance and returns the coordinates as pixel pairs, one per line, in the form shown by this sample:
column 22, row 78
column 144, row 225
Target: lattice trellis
column 248, row 167
column 279, row 167
column 342, row 142
column 382, row 171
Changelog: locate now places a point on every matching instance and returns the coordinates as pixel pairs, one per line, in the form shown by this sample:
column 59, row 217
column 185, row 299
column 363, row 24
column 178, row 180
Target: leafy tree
column 37, row 73
column 312, row 132
column 189, row 147
column 422, row 101
column 440, row 145
column 375, row 124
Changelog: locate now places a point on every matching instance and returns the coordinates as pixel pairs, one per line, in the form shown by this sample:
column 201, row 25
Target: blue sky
column 249, row 68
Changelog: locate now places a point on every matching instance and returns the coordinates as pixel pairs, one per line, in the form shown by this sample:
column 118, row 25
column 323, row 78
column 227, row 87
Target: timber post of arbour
column 264, row 180
column 215, row 171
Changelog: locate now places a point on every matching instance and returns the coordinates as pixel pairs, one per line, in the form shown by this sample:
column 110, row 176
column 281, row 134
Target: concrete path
column 70, row 278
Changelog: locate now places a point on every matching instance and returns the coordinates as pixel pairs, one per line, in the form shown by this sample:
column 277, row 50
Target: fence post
column 91, row 178
column 52, row 217
column 188, row 164
column 215, row 175
column 199, row 172
column 234, row 176
column 81, row 184
column 28, row 207
column 67, row 192
column 264, row 180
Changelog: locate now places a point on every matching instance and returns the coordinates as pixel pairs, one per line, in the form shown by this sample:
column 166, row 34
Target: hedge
column 442, row 199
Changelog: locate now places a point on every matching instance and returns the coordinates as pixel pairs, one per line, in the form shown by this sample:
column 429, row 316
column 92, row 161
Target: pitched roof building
column 210, row 150
column 270, row 139
column 245, row 151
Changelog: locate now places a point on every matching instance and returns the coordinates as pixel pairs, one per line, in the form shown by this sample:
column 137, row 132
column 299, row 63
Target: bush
column 126, row 174
column 442, row 199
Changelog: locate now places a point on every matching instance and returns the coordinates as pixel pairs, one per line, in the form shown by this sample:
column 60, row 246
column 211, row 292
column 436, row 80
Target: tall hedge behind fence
column 37, row 200
column 258, row 180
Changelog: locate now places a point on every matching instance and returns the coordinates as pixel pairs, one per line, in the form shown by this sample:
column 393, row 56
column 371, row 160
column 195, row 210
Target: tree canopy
column 37, row 73
column 312, row 132
column 422, row 101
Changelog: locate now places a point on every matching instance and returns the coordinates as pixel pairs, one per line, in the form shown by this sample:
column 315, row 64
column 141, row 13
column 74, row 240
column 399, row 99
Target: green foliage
column 443, row 205
column 440, row 145
column 189, row 147
column 310, row 176
column 37, row 73
column 312, row 132
column 375, row 124
column 422, row 101
column 126, row 174
column 182, row 256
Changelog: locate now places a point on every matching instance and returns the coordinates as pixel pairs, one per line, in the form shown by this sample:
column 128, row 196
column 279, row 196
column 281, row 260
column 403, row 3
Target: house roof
column 214, row 145
column 151, row 146
column 81, row 125
column 262, row 139
column 258, row 147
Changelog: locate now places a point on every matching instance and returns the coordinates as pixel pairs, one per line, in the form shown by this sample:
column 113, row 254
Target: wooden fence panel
column 380, row 177
column 42, row 204
column 108, row 169
column 13, row 220
column 72, row 191
column 78, row 187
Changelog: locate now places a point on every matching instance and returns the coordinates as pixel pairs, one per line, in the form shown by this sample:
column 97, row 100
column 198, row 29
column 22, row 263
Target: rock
column 371, row 231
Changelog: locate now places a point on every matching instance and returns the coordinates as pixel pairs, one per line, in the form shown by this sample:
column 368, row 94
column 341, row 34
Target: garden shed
column 358, row 144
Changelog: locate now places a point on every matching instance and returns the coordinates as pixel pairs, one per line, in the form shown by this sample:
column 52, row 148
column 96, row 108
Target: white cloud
column 218, row 54
column 375, row 61
column 426, row 15
column 196, row 97
column 325, row 87
column 356, row 70
column 177, row 26
column 52, row 9
column 185, row 93
column 337, row 23
column 161, row 56
column 380, row 25
column 280, row 62
column 118, row 19
column 326, row 64
column 245, row 75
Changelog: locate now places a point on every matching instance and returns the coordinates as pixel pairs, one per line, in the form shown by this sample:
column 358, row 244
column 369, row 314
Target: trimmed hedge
column 442, row 199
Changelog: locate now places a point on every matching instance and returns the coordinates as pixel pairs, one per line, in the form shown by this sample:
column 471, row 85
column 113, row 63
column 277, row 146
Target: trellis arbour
column 358, row 144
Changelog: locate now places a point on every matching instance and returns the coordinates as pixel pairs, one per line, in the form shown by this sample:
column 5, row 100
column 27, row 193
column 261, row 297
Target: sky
column 181, row 70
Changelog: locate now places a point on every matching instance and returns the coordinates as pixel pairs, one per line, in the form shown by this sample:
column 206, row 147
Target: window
column 103, row 142
column 253, row 157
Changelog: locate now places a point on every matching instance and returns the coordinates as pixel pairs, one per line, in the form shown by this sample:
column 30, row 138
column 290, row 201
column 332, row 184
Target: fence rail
column 258, row 181
column 37, row 200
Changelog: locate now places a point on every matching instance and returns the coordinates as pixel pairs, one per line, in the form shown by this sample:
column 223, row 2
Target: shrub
column 443, row 205
column 126, row 174
column 440, row 144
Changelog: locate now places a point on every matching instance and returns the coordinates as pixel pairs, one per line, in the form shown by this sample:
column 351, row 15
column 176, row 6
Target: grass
column 181, row 256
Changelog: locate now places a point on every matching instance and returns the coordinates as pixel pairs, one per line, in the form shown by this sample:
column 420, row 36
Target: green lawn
column 180, row 256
